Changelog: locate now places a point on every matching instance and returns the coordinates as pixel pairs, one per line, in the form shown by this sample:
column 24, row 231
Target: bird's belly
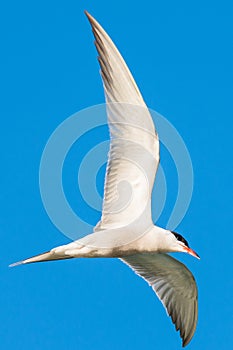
column 111, row 244
column 94, row 252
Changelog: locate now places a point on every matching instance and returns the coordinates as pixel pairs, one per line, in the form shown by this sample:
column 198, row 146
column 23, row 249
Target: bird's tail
column 42, row 257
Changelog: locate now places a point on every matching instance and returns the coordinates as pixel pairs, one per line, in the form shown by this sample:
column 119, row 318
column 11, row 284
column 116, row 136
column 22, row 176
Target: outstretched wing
column 175, row 286
column 134, row 150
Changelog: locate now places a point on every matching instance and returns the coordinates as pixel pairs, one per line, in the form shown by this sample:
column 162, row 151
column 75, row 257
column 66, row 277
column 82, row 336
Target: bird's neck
column 156, row 240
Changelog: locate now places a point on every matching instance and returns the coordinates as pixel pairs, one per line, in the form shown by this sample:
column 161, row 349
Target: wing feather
column 134, row 150
column 175, row 286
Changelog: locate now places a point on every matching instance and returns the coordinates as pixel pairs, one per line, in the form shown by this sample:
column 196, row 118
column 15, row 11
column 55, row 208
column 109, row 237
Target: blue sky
column 181, row 56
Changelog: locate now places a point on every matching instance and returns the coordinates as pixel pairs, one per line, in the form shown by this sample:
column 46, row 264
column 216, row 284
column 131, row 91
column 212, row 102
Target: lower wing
column 174, row 285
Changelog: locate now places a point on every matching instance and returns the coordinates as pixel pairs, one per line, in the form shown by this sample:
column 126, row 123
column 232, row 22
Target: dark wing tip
column 187, row 336
column 87, row 13
column 186, row 341
column 89, row 17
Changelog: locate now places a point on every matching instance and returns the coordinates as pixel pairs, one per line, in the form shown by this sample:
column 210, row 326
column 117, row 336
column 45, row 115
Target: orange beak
column 191, row 252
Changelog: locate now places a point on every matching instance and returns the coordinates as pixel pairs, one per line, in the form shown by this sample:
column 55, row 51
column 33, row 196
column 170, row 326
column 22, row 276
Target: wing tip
column 89, row 17
column 87, row 13
column 186, row 338
column 185, row 341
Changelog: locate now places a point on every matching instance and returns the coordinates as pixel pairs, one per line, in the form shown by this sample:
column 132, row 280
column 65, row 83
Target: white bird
column 126, row 230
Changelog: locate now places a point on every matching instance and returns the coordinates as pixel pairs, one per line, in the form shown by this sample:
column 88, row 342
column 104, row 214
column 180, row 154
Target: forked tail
column 48, row 256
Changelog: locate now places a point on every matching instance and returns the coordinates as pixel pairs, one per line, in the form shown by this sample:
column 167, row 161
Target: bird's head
column 181, row 245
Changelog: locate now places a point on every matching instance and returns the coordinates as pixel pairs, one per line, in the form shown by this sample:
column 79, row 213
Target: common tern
column 126, row 230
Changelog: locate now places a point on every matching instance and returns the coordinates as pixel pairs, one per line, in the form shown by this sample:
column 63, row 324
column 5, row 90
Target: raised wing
column 175, row 286
column 134, row 151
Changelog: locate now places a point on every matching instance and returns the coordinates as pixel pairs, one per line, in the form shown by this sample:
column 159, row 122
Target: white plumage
column 126, row 230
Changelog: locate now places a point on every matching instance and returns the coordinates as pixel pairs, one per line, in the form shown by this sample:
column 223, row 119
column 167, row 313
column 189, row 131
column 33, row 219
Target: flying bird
column 126, row 230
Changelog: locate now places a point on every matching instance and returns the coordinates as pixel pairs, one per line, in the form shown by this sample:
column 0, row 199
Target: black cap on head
column 180, row 238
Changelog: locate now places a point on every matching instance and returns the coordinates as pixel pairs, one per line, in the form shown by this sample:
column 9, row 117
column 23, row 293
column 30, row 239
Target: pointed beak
column 191, row 252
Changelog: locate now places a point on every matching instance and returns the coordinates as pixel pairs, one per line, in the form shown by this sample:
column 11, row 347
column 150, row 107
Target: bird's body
column 126, row 230
column 107, row 244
